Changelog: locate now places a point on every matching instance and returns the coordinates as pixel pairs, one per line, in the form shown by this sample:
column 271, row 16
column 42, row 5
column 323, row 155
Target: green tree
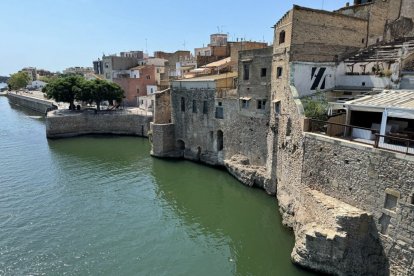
column 18, row 80
column 101, row 90
column 316, row 106
column 65, row 89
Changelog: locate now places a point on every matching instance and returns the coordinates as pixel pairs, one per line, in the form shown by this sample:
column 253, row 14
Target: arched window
column 180, row 145
column 282, row 37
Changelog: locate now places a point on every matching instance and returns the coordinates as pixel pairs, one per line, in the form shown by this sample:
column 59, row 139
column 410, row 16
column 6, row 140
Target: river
column 103, row 206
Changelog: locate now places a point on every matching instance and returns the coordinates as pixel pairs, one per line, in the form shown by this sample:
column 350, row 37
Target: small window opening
column 261, row 104
column 282, row 37
column 246, row 71
column 277, row 108
column 182, row 104
column 205, row 107
column 194, row 106
column 245, row 104
column 263, row 72
column 279, row 72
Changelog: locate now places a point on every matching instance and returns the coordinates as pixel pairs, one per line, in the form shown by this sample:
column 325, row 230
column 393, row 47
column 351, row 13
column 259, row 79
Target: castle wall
column 376, row 181
column 61, row 124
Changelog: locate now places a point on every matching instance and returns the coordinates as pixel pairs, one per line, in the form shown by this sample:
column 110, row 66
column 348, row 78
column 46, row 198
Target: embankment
column 65, row 123
column 30, row 102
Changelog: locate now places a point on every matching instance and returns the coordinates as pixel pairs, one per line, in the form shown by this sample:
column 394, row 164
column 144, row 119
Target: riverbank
column 33, row 100
column 67, row 123
column 103, row 206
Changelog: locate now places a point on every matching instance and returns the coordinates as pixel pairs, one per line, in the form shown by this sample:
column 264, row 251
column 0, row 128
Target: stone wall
column 377, row 181
column 35, row 104
column 60, row 124
column 162, row 107
column 162, row 139
column 195, row 132
column 325, row 36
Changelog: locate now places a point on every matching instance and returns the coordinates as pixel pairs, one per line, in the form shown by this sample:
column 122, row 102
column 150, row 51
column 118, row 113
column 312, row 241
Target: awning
column 400, row 113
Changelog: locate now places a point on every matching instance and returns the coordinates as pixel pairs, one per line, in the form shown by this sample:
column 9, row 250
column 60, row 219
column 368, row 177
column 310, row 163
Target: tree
column 18, row 80
column 316, row 106
column 65, row 89
column 101, row 90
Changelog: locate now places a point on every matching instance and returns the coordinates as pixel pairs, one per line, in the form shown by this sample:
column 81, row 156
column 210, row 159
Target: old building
column 137, row 82
column 318, row 190
column 175, row 60
column 113, row 64
column 78, row 70
column 350, row 204
column 31, row 72
column 206, row 110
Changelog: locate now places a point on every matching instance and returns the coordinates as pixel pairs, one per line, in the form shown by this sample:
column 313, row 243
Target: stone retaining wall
column 69, row 124
column 35, row 104
column 373, row 180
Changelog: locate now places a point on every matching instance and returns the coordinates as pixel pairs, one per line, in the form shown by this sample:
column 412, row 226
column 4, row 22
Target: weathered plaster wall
column 310, row 77
column 377, row 181
column 60, row 125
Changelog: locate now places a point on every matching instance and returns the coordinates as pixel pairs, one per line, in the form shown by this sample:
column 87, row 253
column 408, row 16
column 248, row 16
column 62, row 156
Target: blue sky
column 56, row 34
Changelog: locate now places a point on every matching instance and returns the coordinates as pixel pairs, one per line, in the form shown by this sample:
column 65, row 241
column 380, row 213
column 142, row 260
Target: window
column 279, row 72
column 261, row 104
column 182, row 104
column 194, row 106
column 152, row 90
column 277, row 108
column 220, row 104
column 263, row 72
column 220, row 142
column 219, row 112
column 245, row 103
column 390, row 202
column 205, row 107
column 106, row 65
column 246, row 71
column 282, row 37
column 288, row 127
column 148, row 77
column 137, row 90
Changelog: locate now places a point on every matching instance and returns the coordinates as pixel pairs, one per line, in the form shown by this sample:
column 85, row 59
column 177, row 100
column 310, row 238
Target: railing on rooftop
column 393, row 142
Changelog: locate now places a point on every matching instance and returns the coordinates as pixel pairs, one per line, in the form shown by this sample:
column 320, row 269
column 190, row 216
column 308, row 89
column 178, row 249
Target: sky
column 56, row 34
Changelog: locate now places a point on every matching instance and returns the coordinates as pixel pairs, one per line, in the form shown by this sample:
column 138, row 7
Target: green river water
column 103, row 206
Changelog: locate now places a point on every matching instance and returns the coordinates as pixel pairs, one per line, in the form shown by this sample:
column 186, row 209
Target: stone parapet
column 61, row 124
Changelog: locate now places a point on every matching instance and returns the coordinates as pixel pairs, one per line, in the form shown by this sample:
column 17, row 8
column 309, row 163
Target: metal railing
column 392, row 142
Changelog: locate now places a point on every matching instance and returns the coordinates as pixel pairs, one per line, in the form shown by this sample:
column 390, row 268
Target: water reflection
column 212, row 203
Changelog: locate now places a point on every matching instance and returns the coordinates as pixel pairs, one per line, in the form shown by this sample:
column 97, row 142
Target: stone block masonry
column 61, row 124
column 377, row 181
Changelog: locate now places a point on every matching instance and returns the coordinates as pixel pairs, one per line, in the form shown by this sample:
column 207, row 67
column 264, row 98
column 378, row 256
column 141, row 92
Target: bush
column 316, row 107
